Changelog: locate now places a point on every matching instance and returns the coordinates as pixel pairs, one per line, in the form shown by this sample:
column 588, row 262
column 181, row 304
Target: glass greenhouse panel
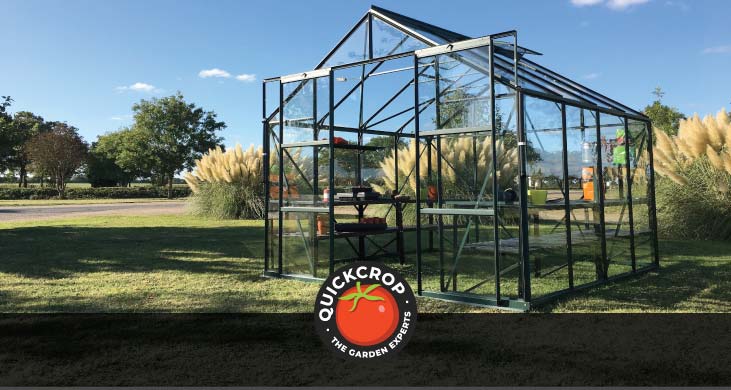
column 388, row 96
column 304, row 175
column 549, row 262
column 584, row 186
column 641, row 191
column 615, row 161
column 299, row 110
column 354, row 49
column 299, row 244
column 508, row 191
column 388, row 40
column 271, row 134
column 348, row 98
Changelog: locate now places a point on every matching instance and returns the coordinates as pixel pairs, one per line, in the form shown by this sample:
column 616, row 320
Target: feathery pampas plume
column 233, row 166
column 458, row 154
column 709, row 137
column 227, row 184
column 695, row 203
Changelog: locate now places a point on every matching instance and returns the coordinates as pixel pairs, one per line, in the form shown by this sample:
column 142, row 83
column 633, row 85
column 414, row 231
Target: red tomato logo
column 366, row 315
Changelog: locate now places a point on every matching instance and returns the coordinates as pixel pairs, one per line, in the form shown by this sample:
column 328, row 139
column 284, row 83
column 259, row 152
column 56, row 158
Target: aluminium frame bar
column 265, row 172
column 628, row 175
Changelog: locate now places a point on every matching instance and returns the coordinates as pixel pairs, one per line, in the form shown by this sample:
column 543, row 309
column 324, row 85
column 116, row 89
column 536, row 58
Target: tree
column 57, row 153
column 6, row 139
column 174, row 134
column 25, row 126
column 663, row 117
column 104, row 166
column 6, row 102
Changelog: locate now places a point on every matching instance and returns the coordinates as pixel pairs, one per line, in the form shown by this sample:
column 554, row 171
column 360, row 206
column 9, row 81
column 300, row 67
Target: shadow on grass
column 696, row 284
column 283, row 350
column 61, row 251
column 682, row 249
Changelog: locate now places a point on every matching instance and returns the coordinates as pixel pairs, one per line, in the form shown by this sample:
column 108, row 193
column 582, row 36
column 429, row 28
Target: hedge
column 93, row 193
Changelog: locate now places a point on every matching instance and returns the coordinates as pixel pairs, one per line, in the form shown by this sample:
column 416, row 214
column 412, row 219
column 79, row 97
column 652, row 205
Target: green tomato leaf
column 371, row 288
column 355, row 303
column 349, row 297
column 372, row 298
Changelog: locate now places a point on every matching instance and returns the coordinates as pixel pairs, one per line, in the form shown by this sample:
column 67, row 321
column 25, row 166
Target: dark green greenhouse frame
column 522, row 185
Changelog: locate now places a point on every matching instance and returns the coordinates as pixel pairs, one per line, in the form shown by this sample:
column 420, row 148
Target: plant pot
column 537, row 197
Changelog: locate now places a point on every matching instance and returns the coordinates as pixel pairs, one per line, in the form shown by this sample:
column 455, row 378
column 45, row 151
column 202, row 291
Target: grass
column 78, row 185
column 56, row 202
column 185, row 264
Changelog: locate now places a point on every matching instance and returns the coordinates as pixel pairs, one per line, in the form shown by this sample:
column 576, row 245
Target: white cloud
column 683, row 6
column 119, row 118
column 584, row 3
column 617, row 5
column 623, row 4
column 723, row 49
column 245, row 77
column 139, row 87
column 215, row 72
column 592, row 76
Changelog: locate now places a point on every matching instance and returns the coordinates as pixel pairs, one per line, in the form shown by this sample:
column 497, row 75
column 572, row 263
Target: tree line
column 167, row 136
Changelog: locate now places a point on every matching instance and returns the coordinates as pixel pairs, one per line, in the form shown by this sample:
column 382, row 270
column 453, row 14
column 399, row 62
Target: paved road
column 32, row 213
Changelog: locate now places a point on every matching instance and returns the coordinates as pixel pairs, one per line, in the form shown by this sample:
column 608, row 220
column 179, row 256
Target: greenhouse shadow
column 61, row 251
column 693, row 274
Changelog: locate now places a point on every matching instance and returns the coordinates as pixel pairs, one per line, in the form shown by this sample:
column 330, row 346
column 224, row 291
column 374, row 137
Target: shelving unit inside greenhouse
column 483, row 176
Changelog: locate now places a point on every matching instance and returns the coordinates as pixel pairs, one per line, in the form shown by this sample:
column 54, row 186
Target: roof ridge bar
column 404, row 29
column 417, row 23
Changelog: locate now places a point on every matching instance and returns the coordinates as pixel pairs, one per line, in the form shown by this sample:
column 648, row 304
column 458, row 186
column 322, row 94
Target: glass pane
column 388, row 40
column 454, row 100
column 616, row 206
column 388, row 101
column 271, row 103
column 508, row 191
column 546, row 202
column 354, row 49
column 640, row 171
column 303, row 250
column 582, row 151
column 299, row 112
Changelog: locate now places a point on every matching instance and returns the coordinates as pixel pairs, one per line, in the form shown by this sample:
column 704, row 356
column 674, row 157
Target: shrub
column 227, row 185
column 693, row 198
column 92, row 193
column 226, row 201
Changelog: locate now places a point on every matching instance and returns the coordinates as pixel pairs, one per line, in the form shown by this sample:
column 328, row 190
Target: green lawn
column 79, row 185
column 184, row 264
column 55, row 202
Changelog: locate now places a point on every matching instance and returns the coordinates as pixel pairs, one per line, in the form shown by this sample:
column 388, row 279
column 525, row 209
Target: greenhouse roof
column 392, row 34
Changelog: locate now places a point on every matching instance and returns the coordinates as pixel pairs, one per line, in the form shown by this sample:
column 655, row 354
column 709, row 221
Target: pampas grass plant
column 459, row 153
column 227, row 185
column 693, row 197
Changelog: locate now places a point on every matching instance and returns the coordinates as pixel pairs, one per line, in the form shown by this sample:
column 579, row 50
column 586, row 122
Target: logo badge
column 365, row 310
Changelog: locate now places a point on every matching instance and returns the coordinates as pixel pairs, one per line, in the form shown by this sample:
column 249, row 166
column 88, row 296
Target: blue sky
column 87, row 62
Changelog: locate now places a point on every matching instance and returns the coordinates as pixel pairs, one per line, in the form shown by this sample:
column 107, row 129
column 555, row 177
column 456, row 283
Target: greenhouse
column 481, row 175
